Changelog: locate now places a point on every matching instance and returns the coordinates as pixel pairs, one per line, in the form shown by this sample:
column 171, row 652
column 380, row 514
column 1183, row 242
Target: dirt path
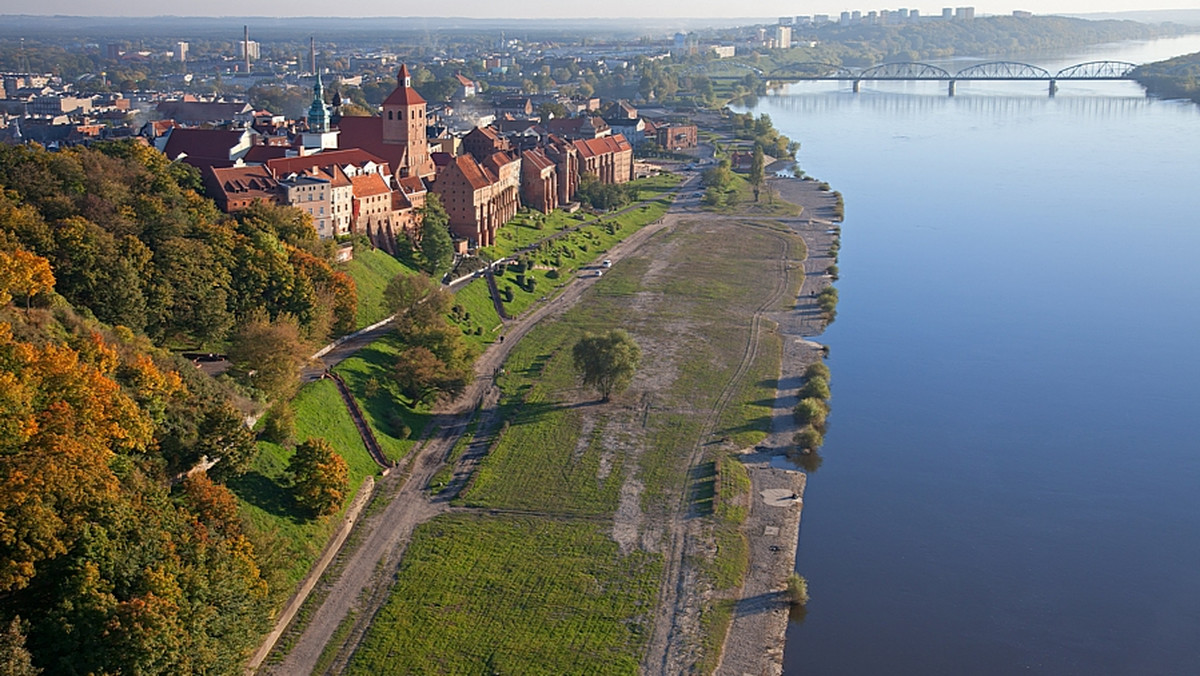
column 673, row 646
column 363, row 575
column 754, row 644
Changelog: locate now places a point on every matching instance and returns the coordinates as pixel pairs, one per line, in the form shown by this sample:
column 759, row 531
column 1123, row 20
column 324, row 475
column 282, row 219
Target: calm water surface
column 1011, row 475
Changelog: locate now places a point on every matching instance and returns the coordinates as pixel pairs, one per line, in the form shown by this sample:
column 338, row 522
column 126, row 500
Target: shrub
column 797, row 590
column 399, row 427
column 279, row 426
column 808, row 440
column 817, row 370
column 811, row 411
column 816, row 387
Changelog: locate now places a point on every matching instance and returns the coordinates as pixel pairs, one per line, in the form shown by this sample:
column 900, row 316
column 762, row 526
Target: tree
column 15, row 659
column 418, row 371
column 437, row 248
column 223, row 435
column 756, row 169
column 606, row 361
column 268, row 354
column 416, row 300
column 320, row 477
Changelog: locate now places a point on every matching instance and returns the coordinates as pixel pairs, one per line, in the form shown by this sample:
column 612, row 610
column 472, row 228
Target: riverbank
column 755, row 641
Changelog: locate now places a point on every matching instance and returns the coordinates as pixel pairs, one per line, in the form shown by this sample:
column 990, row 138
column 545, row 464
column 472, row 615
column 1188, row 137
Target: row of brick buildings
column 371, row 175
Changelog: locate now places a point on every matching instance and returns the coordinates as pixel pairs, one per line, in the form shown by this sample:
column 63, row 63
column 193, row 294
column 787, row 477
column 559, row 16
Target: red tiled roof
column 403, row 96
column 538, row 159
column 476, row 175
column 261, row 154
column 367, row 185
column 329, row 158
column 466, row 82
column 606, row 144
column 241, row 183
column 202, row 146
column 366, row 133
column 411, row 185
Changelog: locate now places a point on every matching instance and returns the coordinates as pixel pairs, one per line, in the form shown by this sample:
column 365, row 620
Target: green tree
column 223, row 435
column 606, row 361
column 320, row 477
column 268, row 355
column 756, row 169
column 416, row 300
column 437, row 248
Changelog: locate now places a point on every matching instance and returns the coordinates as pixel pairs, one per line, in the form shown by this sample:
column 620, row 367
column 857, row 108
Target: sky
column 559, row 8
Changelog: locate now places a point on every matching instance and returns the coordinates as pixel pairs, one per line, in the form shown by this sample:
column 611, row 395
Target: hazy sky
column 558, row 8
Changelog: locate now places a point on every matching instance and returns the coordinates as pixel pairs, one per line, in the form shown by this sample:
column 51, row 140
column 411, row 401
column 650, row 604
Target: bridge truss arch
column 1097, row 70
column 814, row 70
column 1003, row 70
column 903, row 70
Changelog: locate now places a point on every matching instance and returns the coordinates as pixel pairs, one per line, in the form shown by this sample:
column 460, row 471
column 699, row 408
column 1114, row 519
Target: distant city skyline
column 553, row 9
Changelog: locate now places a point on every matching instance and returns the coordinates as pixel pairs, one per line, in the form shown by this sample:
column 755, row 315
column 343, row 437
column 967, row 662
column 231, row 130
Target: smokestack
column 312, row 53
column 246, row 47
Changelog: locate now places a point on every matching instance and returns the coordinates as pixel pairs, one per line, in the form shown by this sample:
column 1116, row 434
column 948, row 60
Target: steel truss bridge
column 911, row 71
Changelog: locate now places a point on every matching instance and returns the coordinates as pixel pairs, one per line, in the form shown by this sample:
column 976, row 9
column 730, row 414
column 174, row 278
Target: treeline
column 762, row 132
column 132, row 242
column 104, row 568
column 1177, row 78
column 932, row 39
column 108, row 256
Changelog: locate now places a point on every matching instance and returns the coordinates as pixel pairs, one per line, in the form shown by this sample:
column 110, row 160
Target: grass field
column 505, row 595
column 372, row 269
column 368, row 375
column 266, row 501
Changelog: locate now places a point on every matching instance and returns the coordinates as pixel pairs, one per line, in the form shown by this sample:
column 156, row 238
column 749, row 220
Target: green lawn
column 372, row 269
column 501, row 595
column 266, row 501
column 368, row 375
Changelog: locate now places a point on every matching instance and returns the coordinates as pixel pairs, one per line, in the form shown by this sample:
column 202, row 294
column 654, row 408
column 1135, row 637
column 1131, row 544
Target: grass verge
column 513, row 596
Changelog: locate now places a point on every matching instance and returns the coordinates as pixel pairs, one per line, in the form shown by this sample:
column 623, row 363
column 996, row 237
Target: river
column 1011, row 477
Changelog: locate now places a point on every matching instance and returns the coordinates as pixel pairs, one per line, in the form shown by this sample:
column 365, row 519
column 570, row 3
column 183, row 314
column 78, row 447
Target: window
column 389, row 114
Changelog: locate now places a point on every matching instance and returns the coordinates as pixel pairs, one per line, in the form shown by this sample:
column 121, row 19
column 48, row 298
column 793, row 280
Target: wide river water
column 1011, row 478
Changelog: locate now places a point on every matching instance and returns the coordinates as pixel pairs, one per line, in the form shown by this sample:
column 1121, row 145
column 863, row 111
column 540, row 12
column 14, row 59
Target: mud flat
column 755, row 642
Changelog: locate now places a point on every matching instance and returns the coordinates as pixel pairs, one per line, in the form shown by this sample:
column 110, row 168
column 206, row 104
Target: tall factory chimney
column 246, row 46
column 312, row 53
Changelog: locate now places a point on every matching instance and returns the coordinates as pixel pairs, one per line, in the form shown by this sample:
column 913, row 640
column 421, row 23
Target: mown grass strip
column 513, row 596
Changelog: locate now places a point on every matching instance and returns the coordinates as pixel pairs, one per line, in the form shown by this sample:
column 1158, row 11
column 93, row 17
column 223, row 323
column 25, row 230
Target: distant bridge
column 912, row 71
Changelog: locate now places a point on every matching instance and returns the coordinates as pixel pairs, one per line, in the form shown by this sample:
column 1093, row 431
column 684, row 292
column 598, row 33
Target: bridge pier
column 856, row 86
column 951, row 88
column 1053, row 87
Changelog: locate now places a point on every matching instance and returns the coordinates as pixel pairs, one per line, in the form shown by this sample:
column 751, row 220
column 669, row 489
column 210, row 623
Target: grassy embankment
column 372, row 269
column 511, row 593
column 289, row 541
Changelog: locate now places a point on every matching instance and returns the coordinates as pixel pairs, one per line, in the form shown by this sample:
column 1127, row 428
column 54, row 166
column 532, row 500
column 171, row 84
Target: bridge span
column 913, row 71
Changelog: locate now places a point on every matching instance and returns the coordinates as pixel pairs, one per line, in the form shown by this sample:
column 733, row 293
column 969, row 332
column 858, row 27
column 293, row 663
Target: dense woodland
column 1177, row 78
column 866, row 45
column 109, row 260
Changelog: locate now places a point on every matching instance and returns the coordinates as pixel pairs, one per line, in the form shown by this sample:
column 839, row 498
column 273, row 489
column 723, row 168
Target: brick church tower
column 404, row 124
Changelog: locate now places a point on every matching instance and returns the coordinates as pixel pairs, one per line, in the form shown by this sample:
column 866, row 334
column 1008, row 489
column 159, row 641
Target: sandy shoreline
column 755, row 641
